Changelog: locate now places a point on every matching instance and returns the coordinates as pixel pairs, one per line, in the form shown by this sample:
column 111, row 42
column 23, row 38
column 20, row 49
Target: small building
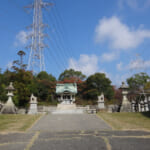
column 66, row 92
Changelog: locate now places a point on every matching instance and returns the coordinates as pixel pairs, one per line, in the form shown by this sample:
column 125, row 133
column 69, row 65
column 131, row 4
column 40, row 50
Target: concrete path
column 79, row 122
column 88, row 140
column 74, row 132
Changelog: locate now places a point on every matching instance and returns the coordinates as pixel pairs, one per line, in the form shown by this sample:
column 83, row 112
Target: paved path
column 74, row 132
column 93, row 140
column 79, row 122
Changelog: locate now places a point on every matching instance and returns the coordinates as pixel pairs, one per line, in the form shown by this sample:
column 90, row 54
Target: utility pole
column 36, row 58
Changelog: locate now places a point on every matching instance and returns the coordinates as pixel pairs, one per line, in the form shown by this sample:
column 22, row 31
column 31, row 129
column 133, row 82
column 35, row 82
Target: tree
column 46, row 84
column 72, row 74
column 96, row 84
column 44, row 75
column 138, row 80
column 147, row 86
column 18, row 64
column 23, row 85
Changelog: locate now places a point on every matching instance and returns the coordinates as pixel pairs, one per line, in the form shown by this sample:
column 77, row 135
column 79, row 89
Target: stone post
column 142, row 106
column 139, row 107
column 126, row 105
column 100, row 102
column 133, row 106
column 33, row 105
column 146, row 104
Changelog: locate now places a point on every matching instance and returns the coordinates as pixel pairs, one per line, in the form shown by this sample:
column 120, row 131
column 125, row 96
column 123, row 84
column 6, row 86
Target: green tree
column 147, row 86
column 44, row 75
column 23, row 81
column 96, row 84
column 18, row 64
column 138, row 80
column 23, row 85
column 69, row 74
column 45, row 86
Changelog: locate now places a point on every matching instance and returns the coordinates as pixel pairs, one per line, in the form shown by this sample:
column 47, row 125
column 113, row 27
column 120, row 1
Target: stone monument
column 33, row 105
column 100, row 102
column 9, row 107
column 126, row 105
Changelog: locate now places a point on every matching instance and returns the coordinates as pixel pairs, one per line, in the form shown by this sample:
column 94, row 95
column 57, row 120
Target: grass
column 16, row 123
column 127, row 121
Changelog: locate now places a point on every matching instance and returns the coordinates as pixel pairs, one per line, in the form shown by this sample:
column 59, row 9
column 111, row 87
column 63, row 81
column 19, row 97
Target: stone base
column 33, row 108
column 66, row 106
column 126, row 108
column 32, row 112
column 9, row 107
column 67, row 109
column 101, row 106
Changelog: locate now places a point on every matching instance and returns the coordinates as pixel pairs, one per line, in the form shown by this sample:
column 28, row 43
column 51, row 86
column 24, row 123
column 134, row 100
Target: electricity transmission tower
column 36, row 58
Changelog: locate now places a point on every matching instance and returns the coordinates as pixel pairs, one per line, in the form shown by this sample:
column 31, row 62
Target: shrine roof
column 66, row 87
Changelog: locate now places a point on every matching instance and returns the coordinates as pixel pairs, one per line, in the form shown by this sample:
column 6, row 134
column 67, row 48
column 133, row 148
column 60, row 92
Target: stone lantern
column 10, row 90
column 9, row 107
column 126, row 105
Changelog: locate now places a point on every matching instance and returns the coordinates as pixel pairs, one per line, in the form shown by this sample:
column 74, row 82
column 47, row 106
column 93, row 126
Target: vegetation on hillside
column 43, row 85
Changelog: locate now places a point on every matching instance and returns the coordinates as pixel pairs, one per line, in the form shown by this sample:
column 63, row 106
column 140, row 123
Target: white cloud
column 21, row 38
column 131, row 3
column 119, row 35
column 9, row 65
column 88, row 64
column 135, row 65
column 139, row 64
column 120, row 66
column 134, row 4
column 107, row 57
column 118, row 79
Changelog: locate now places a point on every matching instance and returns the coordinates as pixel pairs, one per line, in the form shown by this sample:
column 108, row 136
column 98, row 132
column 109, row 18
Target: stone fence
column 50, row 109
column 141, row 105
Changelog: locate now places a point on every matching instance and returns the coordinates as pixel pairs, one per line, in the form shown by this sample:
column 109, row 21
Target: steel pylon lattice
column 36, row 58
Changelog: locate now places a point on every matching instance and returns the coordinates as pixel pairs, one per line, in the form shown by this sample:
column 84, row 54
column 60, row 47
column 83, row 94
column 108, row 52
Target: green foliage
column 147, row 86
column 22, row 85
column 46, row 84
column 44, row 75
column 18, row 64
column 138, row 80
column 67, row 74
column 96, row 84
column 43, row 85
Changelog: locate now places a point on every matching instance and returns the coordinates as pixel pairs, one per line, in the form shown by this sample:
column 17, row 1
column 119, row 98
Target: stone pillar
column 61, row 98
column 139, row 107
column 33, row 105
column 73, row 98
column 126, row 105
column 133, row 106
column 146, row 104
column 142, row 106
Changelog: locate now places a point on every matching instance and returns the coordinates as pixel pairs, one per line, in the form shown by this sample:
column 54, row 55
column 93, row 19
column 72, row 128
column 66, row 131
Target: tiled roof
column 66, row 87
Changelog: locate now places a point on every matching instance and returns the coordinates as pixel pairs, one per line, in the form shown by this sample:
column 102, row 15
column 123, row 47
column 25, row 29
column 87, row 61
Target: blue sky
column 110, row 36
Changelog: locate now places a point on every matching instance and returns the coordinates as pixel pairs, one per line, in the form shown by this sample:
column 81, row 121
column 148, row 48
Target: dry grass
column 16, row 123
column 127, row 121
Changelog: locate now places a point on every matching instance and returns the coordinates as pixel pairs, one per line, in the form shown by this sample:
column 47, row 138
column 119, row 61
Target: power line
column 57, row 44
